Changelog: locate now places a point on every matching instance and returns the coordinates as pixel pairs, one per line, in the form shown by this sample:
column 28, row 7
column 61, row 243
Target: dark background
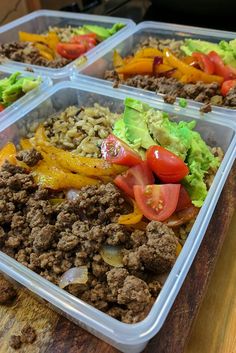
column 218, row 14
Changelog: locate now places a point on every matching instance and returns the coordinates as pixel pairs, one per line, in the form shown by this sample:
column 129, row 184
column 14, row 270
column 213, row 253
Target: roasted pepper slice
column 131, row 218
column 51, row 39
column 148, row 53
column 56, row 179
column 94, row 167
column 8, row 153
column 117, row 59
column 190, row 74
column 137, row 66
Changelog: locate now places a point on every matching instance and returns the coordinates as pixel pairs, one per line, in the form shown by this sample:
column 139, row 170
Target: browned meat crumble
column 52, row 238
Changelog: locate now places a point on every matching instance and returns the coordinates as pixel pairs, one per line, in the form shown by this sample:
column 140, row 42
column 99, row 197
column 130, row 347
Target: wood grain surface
column 57, row 335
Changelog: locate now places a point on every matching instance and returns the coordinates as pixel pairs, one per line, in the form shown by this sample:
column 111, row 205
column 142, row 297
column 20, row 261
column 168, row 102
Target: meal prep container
column 39, row 21
column 19, row 103
column 216, row 130
column 126, row 46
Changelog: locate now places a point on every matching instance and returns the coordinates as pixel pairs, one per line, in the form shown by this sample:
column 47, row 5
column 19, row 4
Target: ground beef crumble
column 52, row 238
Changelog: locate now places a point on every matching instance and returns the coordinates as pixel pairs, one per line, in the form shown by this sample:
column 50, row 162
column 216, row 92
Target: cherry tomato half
column 70, row 51
column 1, row 107
column 184, row 200
column 116, row 151
column 140, row 174
column 166, row 165
column 157, row 202
column 204, row 62
column 226, row 86
column 220, row 68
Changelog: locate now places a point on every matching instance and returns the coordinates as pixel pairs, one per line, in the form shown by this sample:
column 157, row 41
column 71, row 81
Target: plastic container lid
column 39, row 21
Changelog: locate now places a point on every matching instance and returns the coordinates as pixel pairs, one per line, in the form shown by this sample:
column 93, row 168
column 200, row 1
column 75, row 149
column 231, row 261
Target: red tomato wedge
column 137, row 175
column 71, row 51
column 166, row 165
column 1, row 107
column 157, row 202
column 226, row 86
column 116, row 151
column 220, row 68
column 204, row 62
column 184, row 200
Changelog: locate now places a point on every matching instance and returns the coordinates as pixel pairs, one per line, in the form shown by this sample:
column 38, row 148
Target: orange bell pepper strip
column 178, row 249
column 56, row 179
column 51, row 39
column 92, row 167
column 148, row 53
column 190, row 74
column 26, row 144
column 117, row 59
column 8, row 153
column 137, row 67
column 131, row 218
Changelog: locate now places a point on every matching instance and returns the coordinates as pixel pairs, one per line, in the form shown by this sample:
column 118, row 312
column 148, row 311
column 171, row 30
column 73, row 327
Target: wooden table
column 215, row 329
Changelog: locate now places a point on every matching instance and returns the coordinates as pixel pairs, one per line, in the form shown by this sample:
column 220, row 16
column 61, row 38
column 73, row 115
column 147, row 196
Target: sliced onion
column 72, row 194
column 112, row 255
column 156, row 61
column 75, row 275
column 182, row 217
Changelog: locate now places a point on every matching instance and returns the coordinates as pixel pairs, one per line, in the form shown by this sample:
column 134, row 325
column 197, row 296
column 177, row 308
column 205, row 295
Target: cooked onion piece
column 75, row 275
column 112, row 255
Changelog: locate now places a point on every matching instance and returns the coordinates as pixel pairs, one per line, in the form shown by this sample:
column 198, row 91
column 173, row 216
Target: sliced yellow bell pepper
column 190, row 74
column 178, row 249
column 137, row 67
column 117, row 59
column 8, row 153
column 95, row 167
column 148, row 53
column 51, row 39
column 45, row 51
column 26, row 144
column 56, row 179
column 131, row 218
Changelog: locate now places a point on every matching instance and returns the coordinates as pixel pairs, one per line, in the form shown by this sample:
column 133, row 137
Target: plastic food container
column 19, row 103
column 39, row 21
column 97, row 68
column 130, row 338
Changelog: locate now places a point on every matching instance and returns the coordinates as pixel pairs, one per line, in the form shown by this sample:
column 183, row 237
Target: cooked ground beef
column 52, row 238
column 26, row 53
column 171, row 87
column 209, row 94
column 7, row 291
column 29, row 157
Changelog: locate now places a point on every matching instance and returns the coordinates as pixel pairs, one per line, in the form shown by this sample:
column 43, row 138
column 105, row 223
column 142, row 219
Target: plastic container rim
column 128, row 334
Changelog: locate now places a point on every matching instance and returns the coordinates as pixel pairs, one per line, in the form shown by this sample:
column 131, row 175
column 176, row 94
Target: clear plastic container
column 19, row 103
column 131, row 338
column 96, row 69
column 39, row 21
